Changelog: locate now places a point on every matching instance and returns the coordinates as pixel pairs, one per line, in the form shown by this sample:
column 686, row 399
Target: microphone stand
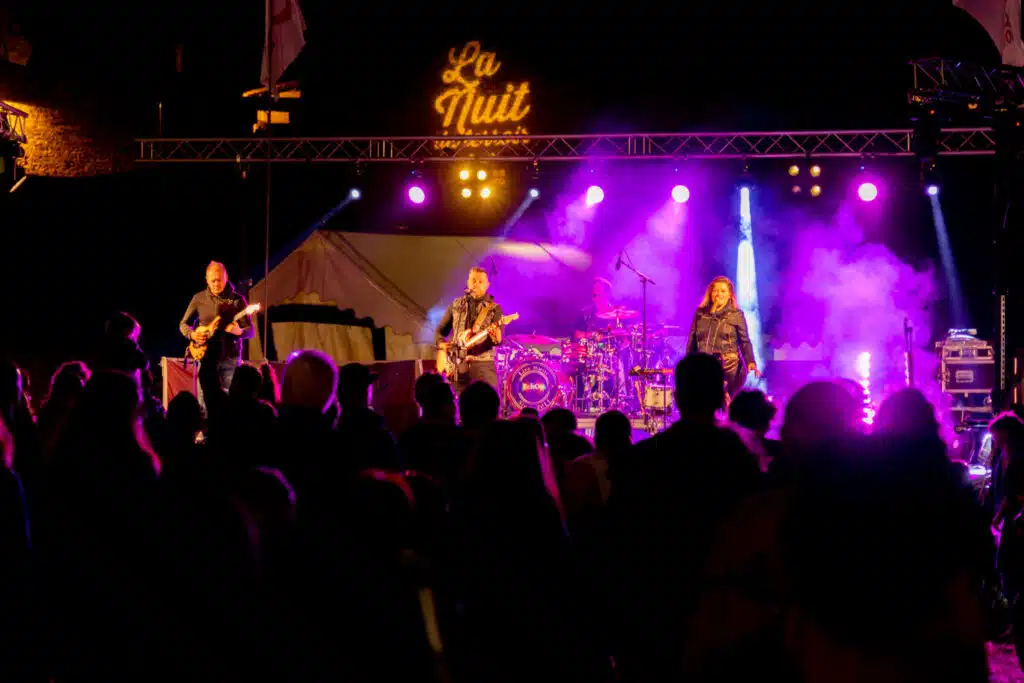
column 644, row 281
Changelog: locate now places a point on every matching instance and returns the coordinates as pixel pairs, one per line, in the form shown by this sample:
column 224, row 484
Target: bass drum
column 539, row 385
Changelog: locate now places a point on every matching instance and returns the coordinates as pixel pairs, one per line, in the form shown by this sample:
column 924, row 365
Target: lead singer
column 720, row 329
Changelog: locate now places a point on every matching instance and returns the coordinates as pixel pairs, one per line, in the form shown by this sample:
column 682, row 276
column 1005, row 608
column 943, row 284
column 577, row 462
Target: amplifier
column 968, row 365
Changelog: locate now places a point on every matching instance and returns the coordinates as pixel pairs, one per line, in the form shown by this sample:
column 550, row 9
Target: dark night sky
column 374, row 71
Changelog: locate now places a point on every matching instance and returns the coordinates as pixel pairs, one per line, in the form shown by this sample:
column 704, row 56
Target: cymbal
column 620, row 332
column 533, row 339
column 618, row 313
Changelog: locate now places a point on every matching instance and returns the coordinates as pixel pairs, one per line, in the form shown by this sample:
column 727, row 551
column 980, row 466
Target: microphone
column 618, row 264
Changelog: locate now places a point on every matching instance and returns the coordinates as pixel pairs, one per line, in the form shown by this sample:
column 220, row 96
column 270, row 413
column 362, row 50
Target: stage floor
column 641, row 428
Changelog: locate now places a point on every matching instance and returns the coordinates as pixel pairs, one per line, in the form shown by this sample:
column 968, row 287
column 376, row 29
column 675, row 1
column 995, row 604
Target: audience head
column 110, row 413
column 68, row 380
column 907, row 413
column 435, row 397
column 700, row 386
column 247, row 383
column 1007, row 432
column 752, row 410
column 184, row 416
column 479, row 405
column 613, row 432
column 270, row 390
column 112, row 396
column 12, row 384
column 310, row 381
column 559, row 421
column 819, row 412
column 511, row 463
column 354, row 382
column 123, row 326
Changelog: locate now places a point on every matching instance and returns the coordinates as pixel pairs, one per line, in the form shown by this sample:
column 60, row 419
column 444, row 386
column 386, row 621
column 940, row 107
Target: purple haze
column 852, row 296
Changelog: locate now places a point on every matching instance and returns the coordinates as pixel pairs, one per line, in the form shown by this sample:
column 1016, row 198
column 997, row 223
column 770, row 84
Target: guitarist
column 475, row 310
column 224, row 347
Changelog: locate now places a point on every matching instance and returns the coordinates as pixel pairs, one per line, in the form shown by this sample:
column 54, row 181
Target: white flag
column 1001, row 19
column 285, row 36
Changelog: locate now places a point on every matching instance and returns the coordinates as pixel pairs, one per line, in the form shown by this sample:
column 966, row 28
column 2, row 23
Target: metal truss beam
column 648, row 146
column 12, row 124
column 946, row 81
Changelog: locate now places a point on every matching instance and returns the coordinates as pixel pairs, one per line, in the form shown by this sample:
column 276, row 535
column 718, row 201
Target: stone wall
column 61, row 145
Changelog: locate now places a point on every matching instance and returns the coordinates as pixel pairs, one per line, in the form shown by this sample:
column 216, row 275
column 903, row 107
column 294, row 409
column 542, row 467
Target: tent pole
column 269, row 144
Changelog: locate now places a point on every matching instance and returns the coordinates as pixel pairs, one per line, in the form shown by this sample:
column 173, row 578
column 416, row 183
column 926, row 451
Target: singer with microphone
column 474, row 311
column 720, row 329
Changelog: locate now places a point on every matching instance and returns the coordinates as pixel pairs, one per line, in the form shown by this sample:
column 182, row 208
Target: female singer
column 720, row 329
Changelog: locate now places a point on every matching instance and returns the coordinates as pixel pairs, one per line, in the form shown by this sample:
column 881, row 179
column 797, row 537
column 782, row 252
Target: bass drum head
column 538, row 385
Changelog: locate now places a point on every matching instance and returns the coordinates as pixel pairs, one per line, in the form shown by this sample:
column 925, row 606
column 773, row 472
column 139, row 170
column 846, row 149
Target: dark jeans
column 735, row 380
column 214, row 379
column 476, row 371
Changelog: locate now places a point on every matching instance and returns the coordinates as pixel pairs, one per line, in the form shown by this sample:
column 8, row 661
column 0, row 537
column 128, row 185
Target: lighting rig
column 12, row 137
column 945, row 89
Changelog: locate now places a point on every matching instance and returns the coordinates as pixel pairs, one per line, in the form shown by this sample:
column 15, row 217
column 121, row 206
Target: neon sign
column 468, row 107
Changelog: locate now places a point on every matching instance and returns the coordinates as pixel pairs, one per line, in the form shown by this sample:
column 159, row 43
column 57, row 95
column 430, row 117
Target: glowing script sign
column 471, row 105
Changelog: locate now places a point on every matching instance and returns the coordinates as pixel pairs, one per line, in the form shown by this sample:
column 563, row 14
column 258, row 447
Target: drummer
column 598, row 323
column 600, row 303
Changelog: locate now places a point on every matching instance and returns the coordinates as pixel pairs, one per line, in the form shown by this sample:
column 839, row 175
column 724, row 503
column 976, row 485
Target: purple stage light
column 680, row 194
column 867, row 192
column 417, row 195
column 932, row 190
column 595, row 195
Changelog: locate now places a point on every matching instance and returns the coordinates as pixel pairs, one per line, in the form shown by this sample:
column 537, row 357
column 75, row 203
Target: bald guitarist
column 476, row 312
column 222, row 347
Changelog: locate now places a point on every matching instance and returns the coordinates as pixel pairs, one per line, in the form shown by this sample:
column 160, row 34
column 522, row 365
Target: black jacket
column 721, row 333
column 206, row 306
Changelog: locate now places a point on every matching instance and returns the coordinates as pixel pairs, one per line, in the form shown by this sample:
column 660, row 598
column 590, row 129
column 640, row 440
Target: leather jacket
column 723, row 334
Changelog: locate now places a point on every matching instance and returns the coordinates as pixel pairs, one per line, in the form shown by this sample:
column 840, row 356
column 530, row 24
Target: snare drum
column 539, row 385
column 658, row 399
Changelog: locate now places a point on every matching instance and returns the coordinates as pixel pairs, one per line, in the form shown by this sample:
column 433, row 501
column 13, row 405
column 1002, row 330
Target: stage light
column 680, row 194
column 815, row 171
column 354, row 194
column 464, row 174
column 485, row 192
column 797, row 189
column 466, row 193
column 932, row 190
column 867, row 192
column 417, row 195
column 595, row 195
column 481, row 175
column 815, row 190
column 534, row 193
column 794, row 170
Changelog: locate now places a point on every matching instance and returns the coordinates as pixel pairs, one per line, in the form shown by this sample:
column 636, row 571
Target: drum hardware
column 644, row 282
column 659, row 399
column 618, row 313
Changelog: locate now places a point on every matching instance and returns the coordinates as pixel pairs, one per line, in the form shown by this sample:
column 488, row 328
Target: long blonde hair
column 705, row 303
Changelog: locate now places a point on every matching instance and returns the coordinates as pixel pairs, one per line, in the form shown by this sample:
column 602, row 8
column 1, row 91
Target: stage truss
column 566, row 148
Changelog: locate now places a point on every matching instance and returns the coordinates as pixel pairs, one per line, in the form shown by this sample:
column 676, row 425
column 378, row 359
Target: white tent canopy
column 401, row 282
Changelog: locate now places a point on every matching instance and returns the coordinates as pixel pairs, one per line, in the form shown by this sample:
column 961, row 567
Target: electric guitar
column 196, row 350
column 448, row 359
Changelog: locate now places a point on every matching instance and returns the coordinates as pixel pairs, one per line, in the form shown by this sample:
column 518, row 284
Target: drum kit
column 594, row 371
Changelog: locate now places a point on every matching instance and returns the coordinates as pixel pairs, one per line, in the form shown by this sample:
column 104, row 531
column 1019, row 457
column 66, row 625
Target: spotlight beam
column 746, row 284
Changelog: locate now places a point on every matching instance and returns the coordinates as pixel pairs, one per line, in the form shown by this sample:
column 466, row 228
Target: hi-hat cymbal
column 618, row 313
column 533, row 339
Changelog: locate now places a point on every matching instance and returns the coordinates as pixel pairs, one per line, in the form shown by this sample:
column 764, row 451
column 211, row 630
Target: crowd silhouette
column 287, row 536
